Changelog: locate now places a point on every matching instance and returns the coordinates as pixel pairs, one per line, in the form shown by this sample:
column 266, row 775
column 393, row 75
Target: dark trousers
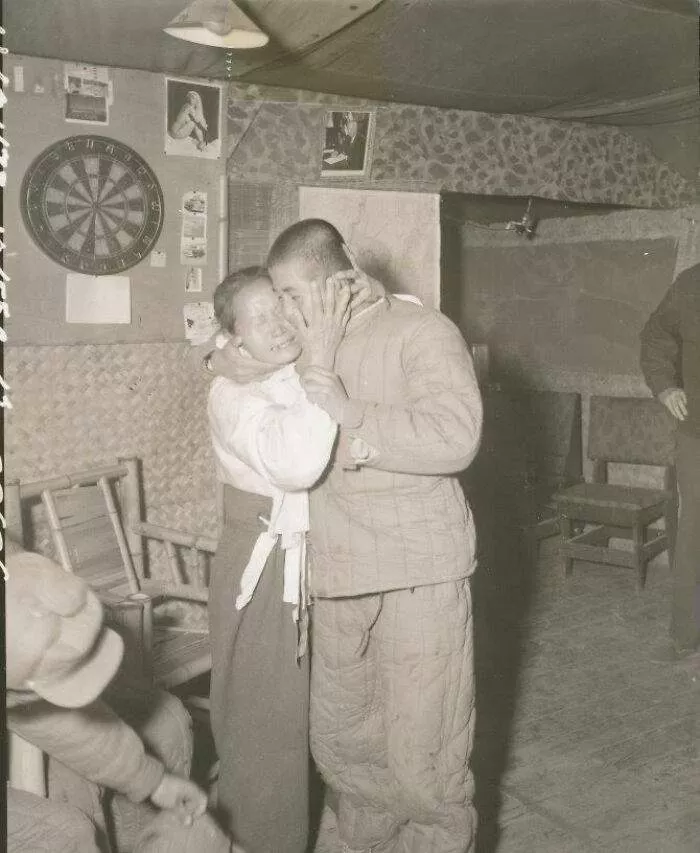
column 685, row 610
column 259, row 693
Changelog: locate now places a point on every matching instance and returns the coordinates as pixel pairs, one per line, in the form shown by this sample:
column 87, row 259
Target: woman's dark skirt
column 259, row 693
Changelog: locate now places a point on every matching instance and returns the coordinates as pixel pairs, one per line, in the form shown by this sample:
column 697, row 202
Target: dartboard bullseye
column 92, row 204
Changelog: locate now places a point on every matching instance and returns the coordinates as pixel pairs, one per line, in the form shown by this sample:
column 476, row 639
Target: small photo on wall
column 347, row 143
column 88, row 93
column 193, row 118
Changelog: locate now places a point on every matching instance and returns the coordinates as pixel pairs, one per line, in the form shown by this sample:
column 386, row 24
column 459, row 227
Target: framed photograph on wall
column 347, row 143
column 193, row 118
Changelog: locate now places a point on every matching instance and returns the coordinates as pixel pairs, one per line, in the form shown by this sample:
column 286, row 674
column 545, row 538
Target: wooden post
column 146, row 608
column 13, row 511
column 599, row 472
column 133, row 513
column 27, row 771
column 201, row 579
column 640, row 558
column 566, row 528
column 172, row 561
column 59, row 540
column 131, row 575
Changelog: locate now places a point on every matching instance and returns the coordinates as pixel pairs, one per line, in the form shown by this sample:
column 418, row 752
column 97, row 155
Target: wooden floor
column 584, row 743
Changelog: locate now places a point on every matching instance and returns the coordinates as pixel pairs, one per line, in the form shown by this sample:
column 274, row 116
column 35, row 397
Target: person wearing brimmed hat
column 59, row 659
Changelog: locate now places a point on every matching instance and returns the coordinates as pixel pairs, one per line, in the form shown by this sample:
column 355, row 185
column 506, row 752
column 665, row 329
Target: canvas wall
column 275, row 136
column 395, row 236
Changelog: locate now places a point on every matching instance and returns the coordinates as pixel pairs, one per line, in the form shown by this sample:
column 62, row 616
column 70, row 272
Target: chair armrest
column 166, row 589
column 176, row 537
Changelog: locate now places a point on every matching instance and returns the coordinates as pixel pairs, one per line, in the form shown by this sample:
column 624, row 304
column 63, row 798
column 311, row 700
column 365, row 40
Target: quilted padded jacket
column 390, row 513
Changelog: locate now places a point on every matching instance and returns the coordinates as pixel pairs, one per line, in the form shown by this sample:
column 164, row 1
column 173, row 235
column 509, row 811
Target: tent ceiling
column 631, row 62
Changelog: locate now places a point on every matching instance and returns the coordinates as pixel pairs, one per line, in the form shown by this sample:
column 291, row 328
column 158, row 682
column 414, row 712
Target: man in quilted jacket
column 670, row 361
column 392, row 545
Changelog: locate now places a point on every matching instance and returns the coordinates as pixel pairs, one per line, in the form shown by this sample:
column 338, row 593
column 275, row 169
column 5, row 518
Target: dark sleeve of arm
column 94, row 742
column 661, row 346
column 437, row 429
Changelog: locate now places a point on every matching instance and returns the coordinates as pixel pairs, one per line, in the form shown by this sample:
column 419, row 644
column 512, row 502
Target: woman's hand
column 180, row 795
column 323, row 330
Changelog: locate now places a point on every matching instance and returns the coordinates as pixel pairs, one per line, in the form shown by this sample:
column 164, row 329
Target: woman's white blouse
column 267, row 435
column 270, row 439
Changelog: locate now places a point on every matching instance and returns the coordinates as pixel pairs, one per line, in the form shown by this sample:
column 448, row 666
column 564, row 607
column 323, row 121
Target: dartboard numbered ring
column 92, row 204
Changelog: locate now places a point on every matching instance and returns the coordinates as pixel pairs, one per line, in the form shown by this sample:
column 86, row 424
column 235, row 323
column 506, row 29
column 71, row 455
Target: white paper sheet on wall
column 200, row 323
column 98, row 299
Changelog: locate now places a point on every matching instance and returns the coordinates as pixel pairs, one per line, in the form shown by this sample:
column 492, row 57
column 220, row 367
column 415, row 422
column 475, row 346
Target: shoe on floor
column 671, row 653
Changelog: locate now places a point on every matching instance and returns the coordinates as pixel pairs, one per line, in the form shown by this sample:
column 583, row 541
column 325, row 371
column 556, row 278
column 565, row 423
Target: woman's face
column 261, row 326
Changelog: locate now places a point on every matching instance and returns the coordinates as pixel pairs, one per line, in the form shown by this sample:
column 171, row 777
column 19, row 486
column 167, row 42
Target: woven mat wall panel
column 85, row 405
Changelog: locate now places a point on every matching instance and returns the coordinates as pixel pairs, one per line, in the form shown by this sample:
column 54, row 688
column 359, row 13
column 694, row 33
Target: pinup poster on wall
column 193, row 236
column 192, row 118
column 347, row 143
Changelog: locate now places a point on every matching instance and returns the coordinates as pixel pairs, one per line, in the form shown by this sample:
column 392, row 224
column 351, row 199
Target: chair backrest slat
column 59, row 540
column 114, row 517
column 630, row 430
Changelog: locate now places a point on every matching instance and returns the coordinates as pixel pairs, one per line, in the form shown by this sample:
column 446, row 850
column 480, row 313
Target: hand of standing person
column 676, row 402
column 180, row 795
column 322, row 331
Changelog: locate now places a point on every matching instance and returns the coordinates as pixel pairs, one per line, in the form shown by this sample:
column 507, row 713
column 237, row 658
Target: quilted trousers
column 392, row 717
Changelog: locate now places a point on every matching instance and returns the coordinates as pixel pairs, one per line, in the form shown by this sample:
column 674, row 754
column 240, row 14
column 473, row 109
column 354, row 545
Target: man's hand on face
column 322, row 331
column 180, row 795
column 326, row 390
column 363, row 288
column 676, row 402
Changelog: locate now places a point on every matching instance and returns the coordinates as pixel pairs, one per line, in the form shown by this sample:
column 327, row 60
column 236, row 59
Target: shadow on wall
column 503, row 587
column 381, row 269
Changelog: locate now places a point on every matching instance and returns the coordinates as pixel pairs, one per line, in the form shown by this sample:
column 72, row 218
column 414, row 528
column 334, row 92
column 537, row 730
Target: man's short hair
column 226, row 293
column 313, row 242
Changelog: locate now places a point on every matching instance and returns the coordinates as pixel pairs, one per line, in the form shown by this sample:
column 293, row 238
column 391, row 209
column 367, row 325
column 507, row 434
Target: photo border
column 169, row 145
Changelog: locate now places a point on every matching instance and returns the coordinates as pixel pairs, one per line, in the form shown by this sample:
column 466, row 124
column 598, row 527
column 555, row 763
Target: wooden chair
column 630, row 431
column 95, row 519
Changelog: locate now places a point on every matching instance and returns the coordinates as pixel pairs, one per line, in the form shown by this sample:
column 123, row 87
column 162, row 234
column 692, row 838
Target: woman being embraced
column 271, row 444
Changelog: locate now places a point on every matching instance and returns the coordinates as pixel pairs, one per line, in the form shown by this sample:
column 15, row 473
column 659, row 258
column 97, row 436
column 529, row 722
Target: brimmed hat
column 88, row 678
column 56, row 643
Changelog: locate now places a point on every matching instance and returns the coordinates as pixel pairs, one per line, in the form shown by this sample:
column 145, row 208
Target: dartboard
column 92, row 204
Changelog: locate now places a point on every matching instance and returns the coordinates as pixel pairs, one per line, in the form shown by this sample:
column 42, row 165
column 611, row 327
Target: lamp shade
column 217, row 23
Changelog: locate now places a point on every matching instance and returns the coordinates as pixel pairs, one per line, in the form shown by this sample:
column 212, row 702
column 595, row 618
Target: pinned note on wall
column 98, row 299
column 200, row 323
